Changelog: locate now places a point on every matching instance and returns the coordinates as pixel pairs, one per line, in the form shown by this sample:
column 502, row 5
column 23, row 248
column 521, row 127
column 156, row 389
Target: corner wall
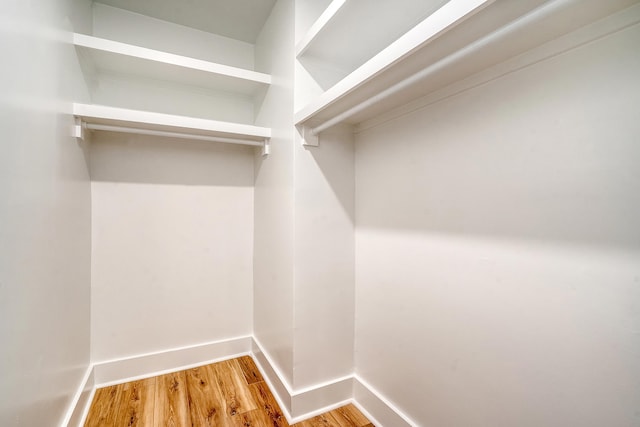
column 304, row 243
column 498, row 249
column 45, row 213
column 273, row 211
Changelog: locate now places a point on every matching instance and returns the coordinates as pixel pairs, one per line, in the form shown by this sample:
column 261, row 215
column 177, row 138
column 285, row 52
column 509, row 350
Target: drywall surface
column 273, row 239
column 172, row 244
column 324, row 241
column 128, row 27
column 498, row 248
column 162, row 97
column 324, row 268
column 45, row 232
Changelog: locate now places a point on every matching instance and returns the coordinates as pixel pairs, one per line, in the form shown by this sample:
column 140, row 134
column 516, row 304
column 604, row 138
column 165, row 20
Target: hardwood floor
column 231, row 393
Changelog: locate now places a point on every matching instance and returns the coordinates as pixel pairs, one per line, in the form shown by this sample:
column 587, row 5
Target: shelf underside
column 359, row 29
column 469, row 46
column 103, row 115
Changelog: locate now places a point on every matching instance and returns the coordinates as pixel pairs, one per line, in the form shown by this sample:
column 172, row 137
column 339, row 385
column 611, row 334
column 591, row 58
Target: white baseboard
column 274, row 378
column 152, row 364
column 301, row 404
column 379, row 410
column 80, row 404
column 132, row 368
column 297, row 405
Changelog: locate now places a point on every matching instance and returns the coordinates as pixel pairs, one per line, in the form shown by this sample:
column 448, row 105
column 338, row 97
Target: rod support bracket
column 308, row 137
column 79, row 128
column 266, row 147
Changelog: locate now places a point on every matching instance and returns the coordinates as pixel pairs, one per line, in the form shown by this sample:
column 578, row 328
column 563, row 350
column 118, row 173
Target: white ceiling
column 238, row 19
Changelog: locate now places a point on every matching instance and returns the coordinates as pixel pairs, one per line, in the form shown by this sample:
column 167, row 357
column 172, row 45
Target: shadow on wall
column 333, row 164
column 119, row 157
column 546, row 153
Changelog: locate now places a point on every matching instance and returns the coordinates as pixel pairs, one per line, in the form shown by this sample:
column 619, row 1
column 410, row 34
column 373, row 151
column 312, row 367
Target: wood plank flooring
column 231, row 393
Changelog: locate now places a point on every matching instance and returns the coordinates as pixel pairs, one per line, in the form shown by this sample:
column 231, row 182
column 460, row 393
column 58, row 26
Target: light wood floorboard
column 231, row 393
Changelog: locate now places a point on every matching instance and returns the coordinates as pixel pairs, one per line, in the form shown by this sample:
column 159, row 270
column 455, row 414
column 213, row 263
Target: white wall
column 498, row 248
column 44, row 215
column 304, row 244
column 324, row 239
column 153, row 95
column 273, row 239
column 140, row 30
column 325, row 255
column 172, row 243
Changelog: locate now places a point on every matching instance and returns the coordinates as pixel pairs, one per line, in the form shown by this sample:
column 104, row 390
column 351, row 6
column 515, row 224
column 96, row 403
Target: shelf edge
column 141, row 118
column 96, row 43
column 444, row 18
column 317, row 27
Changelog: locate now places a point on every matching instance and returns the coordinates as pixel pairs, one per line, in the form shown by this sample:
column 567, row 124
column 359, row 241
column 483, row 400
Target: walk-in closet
column 338, row 213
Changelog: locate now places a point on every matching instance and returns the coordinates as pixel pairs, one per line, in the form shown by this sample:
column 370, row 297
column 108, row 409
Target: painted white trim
column 273, row 378
column 147, row 365
column 274, row 367
column 171, row 370
column 323, row 384
column 380, row 410
column 303, row 403
column 87, row 406
column 319, row 398
column 296, row 404
column 81, row 399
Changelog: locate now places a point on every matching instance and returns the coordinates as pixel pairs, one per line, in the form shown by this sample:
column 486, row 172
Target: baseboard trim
column 320, row 398
column 147, row 365
column 80, row 403
column 304, row 403
column 296, row 404
column 274, row 378
column 378, row 408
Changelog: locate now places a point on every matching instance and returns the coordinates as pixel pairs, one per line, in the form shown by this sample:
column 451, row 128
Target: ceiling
column 237, row 19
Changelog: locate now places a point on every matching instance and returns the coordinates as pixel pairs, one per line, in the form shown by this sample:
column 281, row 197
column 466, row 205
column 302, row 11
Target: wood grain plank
column 205, row 400
column 225, row 394
column 104, row 407
column 349, row 416
column 345, row 416
column 136, row 404
column 236, row 393
column 323, row 420
column 255, row 418
column 171, row 401
column 249, row 369
column 267, row 403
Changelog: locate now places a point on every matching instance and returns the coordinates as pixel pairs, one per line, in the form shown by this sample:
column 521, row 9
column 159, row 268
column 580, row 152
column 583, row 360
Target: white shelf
column 349, row 32
column 462, row 38
column 170, row 125
column 111, row 56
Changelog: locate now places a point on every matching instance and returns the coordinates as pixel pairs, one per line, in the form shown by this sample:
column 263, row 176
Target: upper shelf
column 170, row 125
column 109, row 55
column 458, row 40
column 349, row 32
